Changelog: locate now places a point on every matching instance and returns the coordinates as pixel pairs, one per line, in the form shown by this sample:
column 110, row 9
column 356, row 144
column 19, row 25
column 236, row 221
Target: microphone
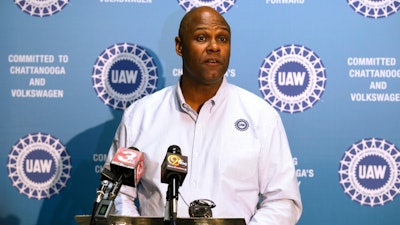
column 106, row 174
column 128, row 163
column 174, row 165
column 173, row 172
column 127, row 167
column 106, row 178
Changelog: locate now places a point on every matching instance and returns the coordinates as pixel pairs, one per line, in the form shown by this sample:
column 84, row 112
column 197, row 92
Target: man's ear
column 178, row 45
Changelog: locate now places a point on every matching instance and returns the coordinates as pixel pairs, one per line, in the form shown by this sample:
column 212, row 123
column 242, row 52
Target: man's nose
column 213, row 45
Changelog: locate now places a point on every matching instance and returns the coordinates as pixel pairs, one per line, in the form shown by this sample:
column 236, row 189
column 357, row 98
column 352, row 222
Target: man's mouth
column 211, row 61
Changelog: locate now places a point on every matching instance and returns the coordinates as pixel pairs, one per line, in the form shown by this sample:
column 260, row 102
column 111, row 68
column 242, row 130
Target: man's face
column 205, row 47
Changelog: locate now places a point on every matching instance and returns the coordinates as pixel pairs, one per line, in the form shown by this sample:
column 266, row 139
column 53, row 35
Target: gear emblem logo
column 292, row 78
column 369, row 172
column 222, row 6
column 41, row 8
column 124, row 73
column 39, row 166
column 375, row 8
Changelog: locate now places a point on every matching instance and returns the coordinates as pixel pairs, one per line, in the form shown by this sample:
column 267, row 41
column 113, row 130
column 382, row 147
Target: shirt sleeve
column 124, row 203
column 280, row 201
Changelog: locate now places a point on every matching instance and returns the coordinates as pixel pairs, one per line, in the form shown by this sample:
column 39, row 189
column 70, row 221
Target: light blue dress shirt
column 237, row 150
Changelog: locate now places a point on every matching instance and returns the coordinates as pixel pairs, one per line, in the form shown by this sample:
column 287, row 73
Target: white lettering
column 38, row 165
column 371, row 171
column 99, row 157
column 124, row 76
column 305, row 173
column 176, row 72
column 230, row 73
column 295, row 161
column 37, row 82
column 374, row 73
column 291, row 78
column 382, row 85
column 36, row 93
column 98, row 168
column 371, row 61
column 63, row 58
column 43, row 70
column 375, row 97
column 30, row 58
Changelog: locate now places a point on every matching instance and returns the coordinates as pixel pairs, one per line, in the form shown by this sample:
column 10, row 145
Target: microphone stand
column 100, row 194
column 173, row 172
column 171, row 211
column 105, row 206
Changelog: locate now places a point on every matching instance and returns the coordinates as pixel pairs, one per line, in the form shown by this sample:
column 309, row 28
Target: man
column 235, row 142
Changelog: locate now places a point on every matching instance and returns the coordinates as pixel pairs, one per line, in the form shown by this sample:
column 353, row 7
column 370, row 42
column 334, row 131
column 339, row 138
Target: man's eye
column 201, row 38
column 223, row 39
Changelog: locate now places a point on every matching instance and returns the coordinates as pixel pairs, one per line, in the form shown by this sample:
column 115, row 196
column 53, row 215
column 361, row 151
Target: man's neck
column 196, row 94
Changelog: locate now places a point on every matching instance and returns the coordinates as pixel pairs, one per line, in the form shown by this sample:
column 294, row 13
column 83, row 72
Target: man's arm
column 280, row 202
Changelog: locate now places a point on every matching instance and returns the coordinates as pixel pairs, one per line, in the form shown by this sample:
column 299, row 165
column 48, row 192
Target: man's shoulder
column 246, row 95
column 153, row 99
column 250, row 100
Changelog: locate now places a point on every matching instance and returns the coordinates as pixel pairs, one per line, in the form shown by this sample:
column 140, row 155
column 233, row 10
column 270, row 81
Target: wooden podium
column 125, row 220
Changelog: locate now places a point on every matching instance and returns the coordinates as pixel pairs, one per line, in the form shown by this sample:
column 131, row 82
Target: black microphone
column 106, row 174
column 107, row 179
column 127, row 167
column 173, row 172
column 174, row 165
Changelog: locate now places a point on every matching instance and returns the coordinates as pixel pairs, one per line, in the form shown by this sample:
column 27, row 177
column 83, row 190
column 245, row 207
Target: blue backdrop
column 331, row 68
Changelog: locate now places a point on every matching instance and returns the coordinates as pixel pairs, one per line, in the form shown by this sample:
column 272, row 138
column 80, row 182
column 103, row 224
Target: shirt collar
column 218, row 97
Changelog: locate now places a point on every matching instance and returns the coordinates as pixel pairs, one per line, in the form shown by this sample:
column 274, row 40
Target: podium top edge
column 145, row 220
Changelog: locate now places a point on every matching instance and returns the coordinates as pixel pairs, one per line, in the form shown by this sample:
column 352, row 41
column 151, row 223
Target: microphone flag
column 129, row 163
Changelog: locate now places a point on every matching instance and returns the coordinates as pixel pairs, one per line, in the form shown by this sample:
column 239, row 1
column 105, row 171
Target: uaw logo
column 241, row 124
column 375, row 8
column 41, row 8
column 39, row 166
column 124, row 73
column 222, row 6
column 292, row 78
column 370, row 172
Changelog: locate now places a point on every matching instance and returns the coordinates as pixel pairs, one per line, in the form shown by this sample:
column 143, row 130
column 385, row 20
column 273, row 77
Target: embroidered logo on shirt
column 241, row 124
